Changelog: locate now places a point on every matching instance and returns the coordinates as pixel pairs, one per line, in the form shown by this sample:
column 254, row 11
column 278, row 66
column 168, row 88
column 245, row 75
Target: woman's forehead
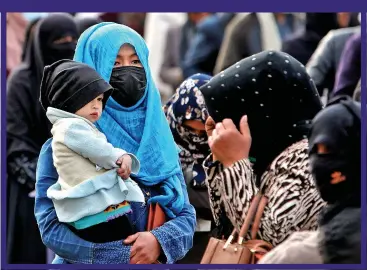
column 126, row 50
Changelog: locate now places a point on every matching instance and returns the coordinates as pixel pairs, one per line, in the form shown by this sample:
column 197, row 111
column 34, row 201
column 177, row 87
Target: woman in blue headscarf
column 134, row 121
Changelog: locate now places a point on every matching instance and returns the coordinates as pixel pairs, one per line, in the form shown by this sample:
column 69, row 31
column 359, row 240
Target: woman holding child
column 134, row 122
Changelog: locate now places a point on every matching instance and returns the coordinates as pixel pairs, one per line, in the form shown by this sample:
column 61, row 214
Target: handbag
column 156, row 218
column 225, row 252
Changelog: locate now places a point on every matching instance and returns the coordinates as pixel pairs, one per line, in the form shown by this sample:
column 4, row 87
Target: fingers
column 119, row 172
column 136, row 254
column 219, row 128
column 210, row 141
column 140, row 257
column 134, row 258
column 244, row 127
column 124, row 171
column 209, row 126
column 126, row 159
column 131, row 239
column 119, row 161
column 215, row 134
column 228, row 124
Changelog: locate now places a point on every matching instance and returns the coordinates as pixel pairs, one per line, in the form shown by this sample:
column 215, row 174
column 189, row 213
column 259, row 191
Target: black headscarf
column 51, row 29
column 68, row 85
column 338, row 127
column 29, row 36
column 27, row 125
column 274, row 90
column 338, row 178
column 84, row 23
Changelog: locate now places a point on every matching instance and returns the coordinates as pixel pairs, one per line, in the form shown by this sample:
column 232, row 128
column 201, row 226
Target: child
column 89, row 195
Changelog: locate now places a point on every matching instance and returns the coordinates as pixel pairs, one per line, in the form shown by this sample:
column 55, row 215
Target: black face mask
column 328, row 167
column 58, row 52
column 129, row 84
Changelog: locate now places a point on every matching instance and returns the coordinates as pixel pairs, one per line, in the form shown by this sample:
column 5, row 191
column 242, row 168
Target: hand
column 146, row 248
column 209, row 128
column 228, row 144
column 125, row 163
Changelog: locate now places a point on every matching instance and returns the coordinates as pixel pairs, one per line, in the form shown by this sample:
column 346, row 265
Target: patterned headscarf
column 188, row 104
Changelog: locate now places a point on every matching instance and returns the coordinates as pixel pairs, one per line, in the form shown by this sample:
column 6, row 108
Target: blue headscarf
column 142, row 129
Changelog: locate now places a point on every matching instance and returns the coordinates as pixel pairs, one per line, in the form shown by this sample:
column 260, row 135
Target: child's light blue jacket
column 86, row 163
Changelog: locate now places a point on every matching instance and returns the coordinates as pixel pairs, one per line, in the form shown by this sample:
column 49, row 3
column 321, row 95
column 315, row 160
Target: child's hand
column 125, row 163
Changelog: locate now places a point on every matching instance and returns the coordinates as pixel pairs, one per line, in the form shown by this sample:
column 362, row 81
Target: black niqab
column 27, row 130
column 29, row 36
column 51, row 29
column 337, row 174
column 274, row 90
column 27, row 125
column 338, row 127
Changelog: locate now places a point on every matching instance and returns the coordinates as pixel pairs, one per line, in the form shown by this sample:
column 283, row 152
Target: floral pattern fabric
column 188, row 104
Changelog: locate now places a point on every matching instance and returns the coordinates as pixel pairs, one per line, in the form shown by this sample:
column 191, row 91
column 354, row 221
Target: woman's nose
column 200, row 132
column 126, row 63
column 69, row 39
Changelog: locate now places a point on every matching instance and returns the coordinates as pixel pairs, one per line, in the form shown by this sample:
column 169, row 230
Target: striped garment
column 294, row 202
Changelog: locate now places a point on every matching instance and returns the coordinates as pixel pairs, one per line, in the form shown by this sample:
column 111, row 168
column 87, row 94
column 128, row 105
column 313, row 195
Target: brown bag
column 224, row 252
column 156, row 218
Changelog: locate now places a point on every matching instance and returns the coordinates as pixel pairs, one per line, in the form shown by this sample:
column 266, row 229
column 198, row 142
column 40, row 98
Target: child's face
column 93, row 110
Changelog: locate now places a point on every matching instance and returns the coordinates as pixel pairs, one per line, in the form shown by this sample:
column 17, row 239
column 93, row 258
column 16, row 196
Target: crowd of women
column 265, row 103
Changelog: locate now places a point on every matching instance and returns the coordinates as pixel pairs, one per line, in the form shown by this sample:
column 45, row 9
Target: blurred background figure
column 178, row 40
column 84, row 23
column 303, row 44
column 53, row 38
column 250, row 33
column 203, row 51
column 181, row 45
column 155, row 33
column 325, row 60
column 349, row 71
column 16, row 25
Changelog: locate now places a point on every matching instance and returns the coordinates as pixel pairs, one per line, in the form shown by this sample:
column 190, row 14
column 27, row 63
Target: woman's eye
column 136, row 62
column 322, row 149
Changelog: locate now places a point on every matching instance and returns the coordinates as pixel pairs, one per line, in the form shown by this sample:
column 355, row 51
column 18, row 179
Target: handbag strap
column 249, row 217
column 259, row 214
column 256, row 210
